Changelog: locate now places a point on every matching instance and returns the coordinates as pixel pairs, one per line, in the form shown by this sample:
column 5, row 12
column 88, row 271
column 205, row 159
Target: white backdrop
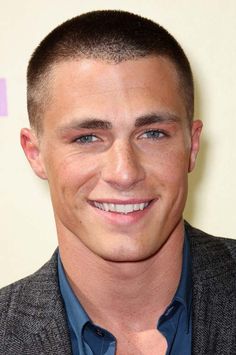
column 206, row 30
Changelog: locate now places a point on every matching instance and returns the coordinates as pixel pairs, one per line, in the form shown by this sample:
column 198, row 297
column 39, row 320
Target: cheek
column 170, row 167
column 73, row 175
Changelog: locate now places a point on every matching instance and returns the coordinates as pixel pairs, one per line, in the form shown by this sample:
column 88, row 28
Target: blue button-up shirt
column 175, row 323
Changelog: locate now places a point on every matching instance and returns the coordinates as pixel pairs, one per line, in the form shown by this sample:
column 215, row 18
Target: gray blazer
column 33, row 319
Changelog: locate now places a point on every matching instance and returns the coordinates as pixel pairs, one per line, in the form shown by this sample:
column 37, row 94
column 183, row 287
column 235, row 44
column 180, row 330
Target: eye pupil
column 154, row 133
column 86, row 138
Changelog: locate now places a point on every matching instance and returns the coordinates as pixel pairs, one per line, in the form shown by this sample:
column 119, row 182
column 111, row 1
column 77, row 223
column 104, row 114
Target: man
column 110, row 101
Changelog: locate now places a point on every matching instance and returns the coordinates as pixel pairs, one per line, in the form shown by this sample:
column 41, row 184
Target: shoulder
column 28, row 305
column 203, row 240
column 213, row 292
column 211, row 256
column 29, row 287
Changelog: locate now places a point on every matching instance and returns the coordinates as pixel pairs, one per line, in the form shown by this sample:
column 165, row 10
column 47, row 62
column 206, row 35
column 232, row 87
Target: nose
column 122, row 167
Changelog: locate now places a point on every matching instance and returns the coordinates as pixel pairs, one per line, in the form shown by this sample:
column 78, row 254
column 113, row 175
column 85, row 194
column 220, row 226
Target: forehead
column 91, row 73
column 94, row 87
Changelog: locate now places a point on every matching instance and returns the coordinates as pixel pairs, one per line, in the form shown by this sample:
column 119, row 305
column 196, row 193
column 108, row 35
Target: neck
column 117, row 292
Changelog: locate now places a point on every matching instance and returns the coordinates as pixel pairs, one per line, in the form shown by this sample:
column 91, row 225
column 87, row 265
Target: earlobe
column 30, row 145
column 195, row 143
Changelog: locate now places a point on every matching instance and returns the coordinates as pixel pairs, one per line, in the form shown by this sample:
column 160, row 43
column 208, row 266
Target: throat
column 117, row 293
column 118, row 302
column 150, row 342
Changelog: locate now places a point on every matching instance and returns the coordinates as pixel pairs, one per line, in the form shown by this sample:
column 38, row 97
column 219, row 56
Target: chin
column 128, row 255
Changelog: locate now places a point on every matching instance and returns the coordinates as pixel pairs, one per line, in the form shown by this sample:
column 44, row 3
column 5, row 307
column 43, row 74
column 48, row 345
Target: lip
column 121, row 219
column 123, row 202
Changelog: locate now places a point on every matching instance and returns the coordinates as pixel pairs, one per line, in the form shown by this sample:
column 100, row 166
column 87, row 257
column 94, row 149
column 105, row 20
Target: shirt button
column 99, row 332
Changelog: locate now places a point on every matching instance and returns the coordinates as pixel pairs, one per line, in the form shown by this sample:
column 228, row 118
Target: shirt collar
column 72, row 303
column 183, row 294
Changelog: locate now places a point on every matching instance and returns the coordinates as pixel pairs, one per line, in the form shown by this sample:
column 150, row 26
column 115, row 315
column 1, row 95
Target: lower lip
column 121, row 218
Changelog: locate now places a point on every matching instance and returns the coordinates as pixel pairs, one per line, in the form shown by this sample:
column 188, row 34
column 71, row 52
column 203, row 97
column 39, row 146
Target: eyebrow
column 144, row 120
column 156, row 118
column 88, row 123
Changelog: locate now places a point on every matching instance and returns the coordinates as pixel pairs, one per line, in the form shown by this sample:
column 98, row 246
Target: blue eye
column 86, row 139
column 153, row 134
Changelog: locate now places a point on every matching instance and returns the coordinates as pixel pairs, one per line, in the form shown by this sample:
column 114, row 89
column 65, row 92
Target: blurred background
column 207, row 32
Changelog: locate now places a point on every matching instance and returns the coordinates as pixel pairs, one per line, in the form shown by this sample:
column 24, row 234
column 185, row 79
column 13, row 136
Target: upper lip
column 123, row 202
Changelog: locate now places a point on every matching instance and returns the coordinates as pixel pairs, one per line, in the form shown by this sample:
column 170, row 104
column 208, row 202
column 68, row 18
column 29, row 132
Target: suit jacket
column 33, row 319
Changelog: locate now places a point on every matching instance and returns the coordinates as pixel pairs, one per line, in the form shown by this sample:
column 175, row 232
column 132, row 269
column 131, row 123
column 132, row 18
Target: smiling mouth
column 121, row 208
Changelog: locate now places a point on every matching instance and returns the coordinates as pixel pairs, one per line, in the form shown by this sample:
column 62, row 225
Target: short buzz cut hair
column 110, row 35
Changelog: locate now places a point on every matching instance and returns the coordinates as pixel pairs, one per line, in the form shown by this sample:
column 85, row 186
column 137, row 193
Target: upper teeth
column 112, row 207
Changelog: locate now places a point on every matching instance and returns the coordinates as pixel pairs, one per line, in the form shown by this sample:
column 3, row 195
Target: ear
column 195, row 143
column 30, row 144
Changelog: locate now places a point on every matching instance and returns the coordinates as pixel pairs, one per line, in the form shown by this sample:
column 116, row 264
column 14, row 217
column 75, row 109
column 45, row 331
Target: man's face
column 116, row 149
